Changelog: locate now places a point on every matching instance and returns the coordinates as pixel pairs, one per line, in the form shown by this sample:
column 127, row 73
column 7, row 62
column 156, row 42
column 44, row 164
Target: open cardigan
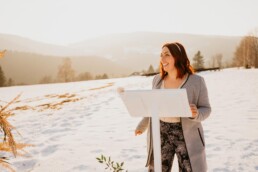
column 192, row 128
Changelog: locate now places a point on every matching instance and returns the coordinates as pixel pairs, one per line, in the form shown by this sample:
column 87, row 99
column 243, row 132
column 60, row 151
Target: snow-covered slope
column 71, row 124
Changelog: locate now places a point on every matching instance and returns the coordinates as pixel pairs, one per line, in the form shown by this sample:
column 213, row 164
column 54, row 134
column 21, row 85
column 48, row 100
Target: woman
column 181, row 136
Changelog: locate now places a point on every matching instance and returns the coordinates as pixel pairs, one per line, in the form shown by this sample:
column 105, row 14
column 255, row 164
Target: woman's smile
column 165, row 64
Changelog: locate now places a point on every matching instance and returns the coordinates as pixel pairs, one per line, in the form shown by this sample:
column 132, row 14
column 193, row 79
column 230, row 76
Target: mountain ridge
column 115, row 54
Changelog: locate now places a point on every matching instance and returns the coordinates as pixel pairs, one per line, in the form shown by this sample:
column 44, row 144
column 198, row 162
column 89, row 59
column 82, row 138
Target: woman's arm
column 142, row 126
column 203, row 103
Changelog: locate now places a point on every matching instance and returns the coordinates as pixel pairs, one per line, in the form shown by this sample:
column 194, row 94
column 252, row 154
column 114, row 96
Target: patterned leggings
column 172, row 141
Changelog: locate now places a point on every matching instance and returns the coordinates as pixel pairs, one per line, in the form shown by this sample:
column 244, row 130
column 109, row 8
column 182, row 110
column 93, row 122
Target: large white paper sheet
column 167, row 102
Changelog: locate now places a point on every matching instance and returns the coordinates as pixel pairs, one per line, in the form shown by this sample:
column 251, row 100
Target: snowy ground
column 89, row 122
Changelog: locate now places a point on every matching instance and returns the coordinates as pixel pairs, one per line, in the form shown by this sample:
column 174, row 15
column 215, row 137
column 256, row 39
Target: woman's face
column 167, row 60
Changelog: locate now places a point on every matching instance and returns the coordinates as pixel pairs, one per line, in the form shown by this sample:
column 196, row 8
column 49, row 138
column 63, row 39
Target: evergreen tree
column 98, row 77
column 151, row 69
column 10, row 82
column 84, row 76
column 104, row 76
column 198, row 61
column 46, row 80
column 2, row 78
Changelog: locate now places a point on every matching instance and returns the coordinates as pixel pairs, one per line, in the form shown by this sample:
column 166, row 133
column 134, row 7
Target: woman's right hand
column 137, row 132
column 120, row 90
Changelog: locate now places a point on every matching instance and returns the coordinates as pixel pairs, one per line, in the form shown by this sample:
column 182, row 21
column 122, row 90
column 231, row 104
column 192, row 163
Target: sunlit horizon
column 66, row 22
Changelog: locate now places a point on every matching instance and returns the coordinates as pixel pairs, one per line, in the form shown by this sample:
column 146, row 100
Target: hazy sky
column 68, row 21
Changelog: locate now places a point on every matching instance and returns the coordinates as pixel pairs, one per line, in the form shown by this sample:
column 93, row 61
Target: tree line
column 246, row 55
column 197, row 64
column 65, row 73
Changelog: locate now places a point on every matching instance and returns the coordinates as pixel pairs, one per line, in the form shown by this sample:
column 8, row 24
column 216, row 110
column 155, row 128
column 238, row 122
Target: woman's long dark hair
column 182, row 62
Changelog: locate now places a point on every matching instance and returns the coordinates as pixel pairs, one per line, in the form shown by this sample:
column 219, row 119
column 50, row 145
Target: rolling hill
column 27, row 61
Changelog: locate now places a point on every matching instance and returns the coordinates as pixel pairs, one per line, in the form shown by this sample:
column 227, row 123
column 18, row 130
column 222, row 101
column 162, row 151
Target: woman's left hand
column 194, row 110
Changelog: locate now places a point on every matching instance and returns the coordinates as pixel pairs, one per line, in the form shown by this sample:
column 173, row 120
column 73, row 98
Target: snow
column 95, row 122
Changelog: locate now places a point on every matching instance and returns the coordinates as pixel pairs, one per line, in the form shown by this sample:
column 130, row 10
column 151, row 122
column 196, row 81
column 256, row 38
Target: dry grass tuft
column 5, row 164
column 19, row 146
column 25, row 107
column 9, row 145
column 55, row 105
column 58, row 105
column 60, row 96
column 105, row 86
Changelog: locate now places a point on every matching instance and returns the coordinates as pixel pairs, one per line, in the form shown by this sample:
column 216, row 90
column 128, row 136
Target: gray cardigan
column 192, row 128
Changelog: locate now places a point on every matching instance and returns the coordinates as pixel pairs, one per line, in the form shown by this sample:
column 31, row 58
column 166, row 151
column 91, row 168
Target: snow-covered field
column 89, row 122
